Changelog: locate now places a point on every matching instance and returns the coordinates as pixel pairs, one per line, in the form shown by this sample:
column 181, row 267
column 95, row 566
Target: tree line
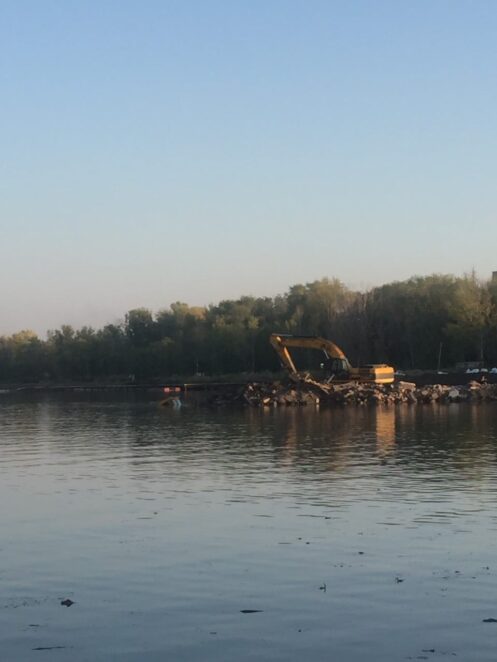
column 416, row 323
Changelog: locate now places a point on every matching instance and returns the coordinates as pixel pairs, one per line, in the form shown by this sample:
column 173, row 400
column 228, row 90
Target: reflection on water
column 354, row 534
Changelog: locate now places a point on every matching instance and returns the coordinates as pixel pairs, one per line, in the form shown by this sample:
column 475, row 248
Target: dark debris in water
column 429, row 650
column 489, row 620
column 67, row 602
column 250, row 611
column 48, row 648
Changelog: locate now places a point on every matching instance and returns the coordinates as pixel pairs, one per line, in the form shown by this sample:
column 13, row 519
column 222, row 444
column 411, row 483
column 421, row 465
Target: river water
column 353, row 535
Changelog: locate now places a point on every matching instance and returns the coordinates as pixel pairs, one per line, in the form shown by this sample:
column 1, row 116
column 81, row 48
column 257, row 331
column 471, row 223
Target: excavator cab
column 336, row 368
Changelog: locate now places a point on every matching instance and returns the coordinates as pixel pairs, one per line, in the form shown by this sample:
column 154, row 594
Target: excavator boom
column 341, row 368
column 281, row 342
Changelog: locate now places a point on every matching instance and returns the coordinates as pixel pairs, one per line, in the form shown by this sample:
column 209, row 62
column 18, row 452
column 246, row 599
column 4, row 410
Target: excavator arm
column 281, row 342
column 341, row 369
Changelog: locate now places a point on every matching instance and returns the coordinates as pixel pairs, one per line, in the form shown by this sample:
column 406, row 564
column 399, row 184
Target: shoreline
column 264, row 393
column 218, row 382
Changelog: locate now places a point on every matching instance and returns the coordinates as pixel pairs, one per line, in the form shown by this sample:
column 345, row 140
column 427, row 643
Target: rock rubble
column 279, row 394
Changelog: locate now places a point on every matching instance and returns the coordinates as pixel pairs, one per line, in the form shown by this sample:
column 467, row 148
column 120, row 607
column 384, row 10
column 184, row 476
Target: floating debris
column 67, row 602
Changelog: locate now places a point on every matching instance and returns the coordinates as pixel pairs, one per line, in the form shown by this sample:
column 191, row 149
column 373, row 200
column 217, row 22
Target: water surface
column 356, row 534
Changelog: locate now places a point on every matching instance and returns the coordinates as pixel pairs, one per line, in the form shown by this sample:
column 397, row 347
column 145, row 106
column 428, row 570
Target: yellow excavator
column 336, row 364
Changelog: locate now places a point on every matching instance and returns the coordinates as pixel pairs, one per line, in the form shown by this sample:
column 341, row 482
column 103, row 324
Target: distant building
column 494, row 276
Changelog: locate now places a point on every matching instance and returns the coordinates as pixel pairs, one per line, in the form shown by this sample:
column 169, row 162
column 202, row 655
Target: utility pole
column 439, row 356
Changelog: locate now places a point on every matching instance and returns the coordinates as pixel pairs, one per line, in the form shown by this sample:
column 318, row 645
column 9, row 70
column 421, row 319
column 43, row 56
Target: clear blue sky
column 152, row 151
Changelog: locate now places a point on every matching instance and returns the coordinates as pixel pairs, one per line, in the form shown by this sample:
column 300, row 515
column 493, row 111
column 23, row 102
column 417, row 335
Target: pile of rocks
column 314, row 393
